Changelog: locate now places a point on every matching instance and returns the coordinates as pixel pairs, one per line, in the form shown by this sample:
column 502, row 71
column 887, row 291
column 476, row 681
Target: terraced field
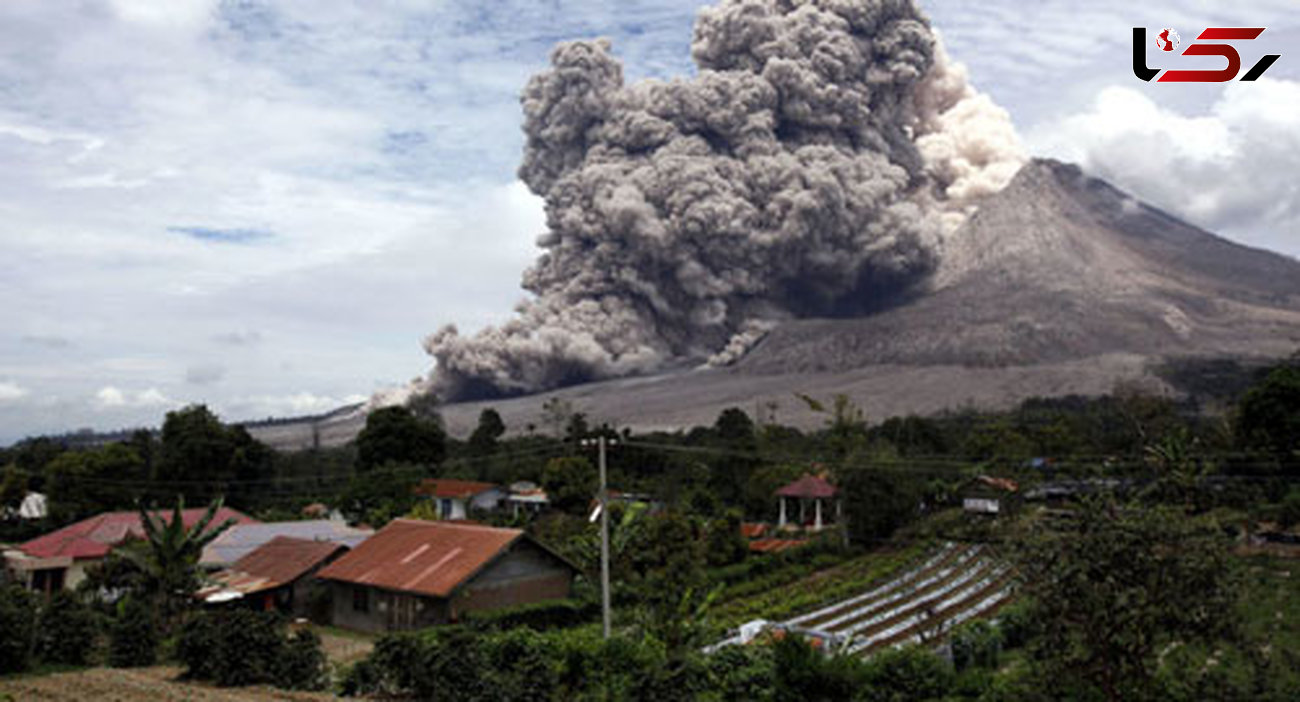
column 953, row 585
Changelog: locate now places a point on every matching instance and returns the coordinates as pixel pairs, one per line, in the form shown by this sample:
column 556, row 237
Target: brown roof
column 774, row 545
column 430, row 558
column 809, row 486
column 1004, row 484
column 458, row 489
column 280, row 561
column 752, row 530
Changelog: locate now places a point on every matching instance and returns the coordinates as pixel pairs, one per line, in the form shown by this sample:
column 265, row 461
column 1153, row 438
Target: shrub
column 976, row 644
column 17, row 627
column 241, row 647
column 133, row 635
column 554, row 614
column 902, row 674
column 302, row 664
column 67, row 630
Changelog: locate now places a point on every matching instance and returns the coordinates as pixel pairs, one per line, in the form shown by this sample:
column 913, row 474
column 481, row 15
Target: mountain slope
column 1061, row 266
column 1060, row 284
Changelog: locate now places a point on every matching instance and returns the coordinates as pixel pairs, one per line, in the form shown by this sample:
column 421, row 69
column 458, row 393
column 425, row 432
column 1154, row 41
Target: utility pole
column 604, row 541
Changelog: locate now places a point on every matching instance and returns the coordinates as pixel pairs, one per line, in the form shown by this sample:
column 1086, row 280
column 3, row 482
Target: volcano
column 1059, row 284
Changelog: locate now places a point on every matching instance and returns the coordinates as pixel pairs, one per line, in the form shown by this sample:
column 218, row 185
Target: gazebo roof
column 808, row 487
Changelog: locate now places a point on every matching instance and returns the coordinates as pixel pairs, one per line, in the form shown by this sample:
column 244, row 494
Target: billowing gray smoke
column 812, row 167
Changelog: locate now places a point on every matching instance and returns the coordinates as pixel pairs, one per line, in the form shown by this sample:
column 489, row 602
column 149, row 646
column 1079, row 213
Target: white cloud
column 1230, row 169
column 11, row 391
column 110, row 397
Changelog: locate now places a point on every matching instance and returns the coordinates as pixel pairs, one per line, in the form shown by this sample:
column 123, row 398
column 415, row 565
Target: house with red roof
column 456, row 499
column 814, row 498
column 278, row 575
column 413, row 574
column 59, row 559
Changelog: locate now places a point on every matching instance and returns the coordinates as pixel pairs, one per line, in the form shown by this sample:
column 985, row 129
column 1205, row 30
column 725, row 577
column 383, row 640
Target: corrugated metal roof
column 96, row 536
column 241, row 540
column 429, row 558
column 808, row 487
column 280, row 561
column 458, row 489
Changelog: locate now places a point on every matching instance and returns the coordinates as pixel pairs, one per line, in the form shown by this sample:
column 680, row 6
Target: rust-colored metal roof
column 285, row 559
column 457, row 489
column 774, row 545
column 429, row 558
column 753, row 530
column 280, row 561
column 96, row 536
column 808, row 487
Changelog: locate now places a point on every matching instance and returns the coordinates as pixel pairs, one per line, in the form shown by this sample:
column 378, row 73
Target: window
column 360, row 599
column 445, row 509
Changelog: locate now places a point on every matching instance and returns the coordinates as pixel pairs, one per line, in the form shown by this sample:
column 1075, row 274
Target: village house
column 456, row 499
column 413, row 574
column 526, row 498
column 278, row 575
column 60, row 559
column 242, row 539
column 815, row 499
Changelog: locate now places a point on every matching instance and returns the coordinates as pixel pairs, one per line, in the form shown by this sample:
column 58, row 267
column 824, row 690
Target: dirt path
column 156, row 684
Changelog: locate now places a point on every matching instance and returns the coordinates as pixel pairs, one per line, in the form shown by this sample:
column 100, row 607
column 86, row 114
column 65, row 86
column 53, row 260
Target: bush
column 903, row 674
column 976, row 644
column 67, row 630
column 241, row 647
column 17, row 627
column 133, row 635
column 555, row 614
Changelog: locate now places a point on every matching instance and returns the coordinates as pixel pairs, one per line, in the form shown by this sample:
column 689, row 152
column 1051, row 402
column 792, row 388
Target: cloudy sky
column 264, row 206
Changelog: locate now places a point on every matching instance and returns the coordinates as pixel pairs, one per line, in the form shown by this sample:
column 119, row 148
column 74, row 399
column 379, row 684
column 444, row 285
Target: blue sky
column 265, row 205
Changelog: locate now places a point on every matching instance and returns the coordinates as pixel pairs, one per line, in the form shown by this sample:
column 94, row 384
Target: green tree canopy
column 1269, row 415
column 490, row 429
column 395, row 435
column 570, row 483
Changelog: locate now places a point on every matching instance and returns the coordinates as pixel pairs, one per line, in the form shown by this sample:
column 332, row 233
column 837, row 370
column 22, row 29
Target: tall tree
column 570, row 483
column 483, row 441
column 1112, row 585
column 395, row 435
column 1268, row 418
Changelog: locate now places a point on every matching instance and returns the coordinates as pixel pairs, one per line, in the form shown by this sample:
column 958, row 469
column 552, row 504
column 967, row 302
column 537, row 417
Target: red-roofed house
column 808, row 489
column 413, row 574
column 59, row 559
column 275, row 575
column 455, row 498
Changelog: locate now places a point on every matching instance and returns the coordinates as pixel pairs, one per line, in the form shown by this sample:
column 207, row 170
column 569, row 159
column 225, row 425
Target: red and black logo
column 1168, row 40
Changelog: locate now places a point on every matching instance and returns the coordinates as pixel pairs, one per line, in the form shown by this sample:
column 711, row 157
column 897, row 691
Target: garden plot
column 955, row 584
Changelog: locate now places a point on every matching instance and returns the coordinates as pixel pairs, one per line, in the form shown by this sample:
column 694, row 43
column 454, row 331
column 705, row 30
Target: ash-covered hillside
column 1061, row 266
column 1060, row 284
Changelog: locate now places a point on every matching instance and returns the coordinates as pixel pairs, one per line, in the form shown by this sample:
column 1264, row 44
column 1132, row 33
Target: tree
column 570, row 483
column 83, row 483
column 1268, row 417
column 395, row 435
column 17, row 628
column 172, row 554
column 380, row 495
column 197, row 447
column 67, row 629
column 878, row 496
column 483, row 441
column 1112, row 585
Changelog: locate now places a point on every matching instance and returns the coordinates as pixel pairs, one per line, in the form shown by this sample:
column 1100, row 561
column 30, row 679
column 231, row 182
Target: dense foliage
column 242, row 647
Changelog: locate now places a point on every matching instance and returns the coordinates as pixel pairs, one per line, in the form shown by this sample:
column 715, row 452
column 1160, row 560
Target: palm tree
column 171, row 558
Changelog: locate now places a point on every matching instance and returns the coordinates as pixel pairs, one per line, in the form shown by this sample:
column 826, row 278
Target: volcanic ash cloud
column 811, row 168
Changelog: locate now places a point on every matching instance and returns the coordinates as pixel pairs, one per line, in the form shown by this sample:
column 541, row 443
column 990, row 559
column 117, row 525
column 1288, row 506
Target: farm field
column 920, row 599
column 156, row 684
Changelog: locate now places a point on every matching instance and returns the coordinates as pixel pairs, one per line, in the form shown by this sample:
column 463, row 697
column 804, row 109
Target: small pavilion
column 809, row 489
